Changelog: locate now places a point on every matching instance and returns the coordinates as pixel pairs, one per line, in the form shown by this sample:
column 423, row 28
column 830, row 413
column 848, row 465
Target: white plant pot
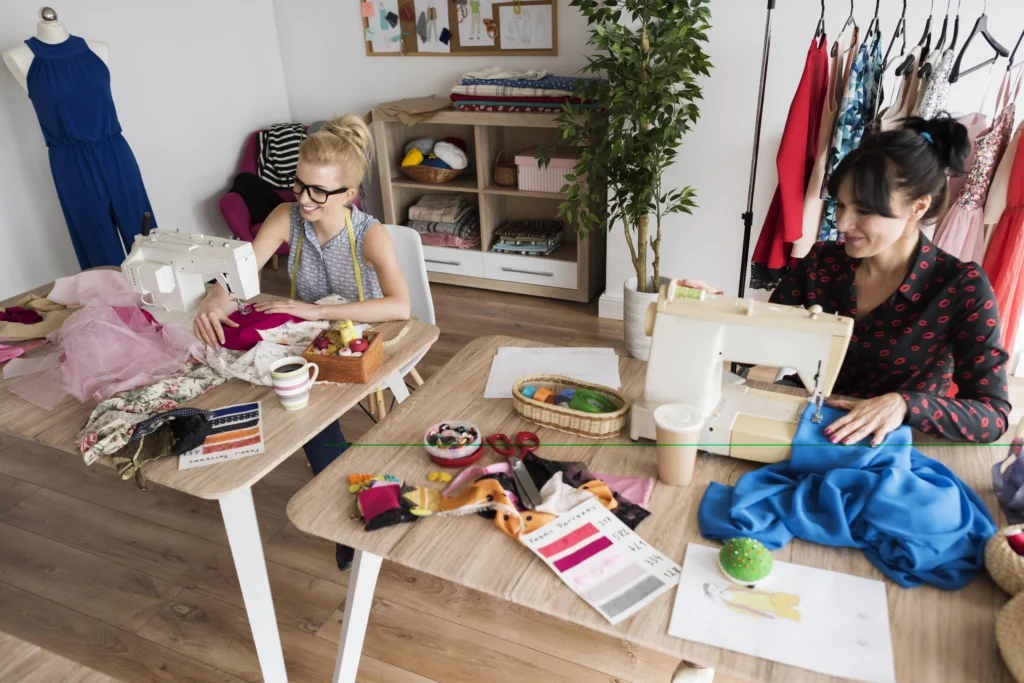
column 634, row 310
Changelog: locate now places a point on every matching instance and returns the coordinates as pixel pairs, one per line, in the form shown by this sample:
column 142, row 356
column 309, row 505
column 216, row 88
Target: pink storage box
column 551, row 178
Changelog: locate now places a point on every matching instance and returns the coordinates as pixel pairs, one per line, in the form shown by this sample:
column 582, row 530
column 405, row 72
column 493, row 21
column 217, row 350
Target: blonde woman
column 334, row 248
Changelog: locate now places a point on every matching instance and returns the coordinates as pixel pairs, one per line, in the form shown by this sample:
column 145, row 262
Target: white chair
column 409, row 251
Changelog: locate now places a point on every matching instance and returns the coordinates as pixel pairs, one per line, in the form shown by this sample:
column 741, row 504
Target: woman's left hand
column 300, row 309
column 875, row 416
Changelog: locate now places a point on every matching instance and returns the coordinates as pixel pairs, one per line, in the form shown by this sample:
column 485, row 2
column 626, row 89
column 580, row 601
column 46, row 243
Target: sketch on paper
column 431, row 22
column 476, row 23
column 823, row 621
column 383, row 30
column 752, row 602
column 529, row 28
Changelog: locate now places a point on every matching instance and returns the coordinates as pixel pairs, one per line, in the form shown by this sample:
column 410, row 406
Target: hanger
column 901, row 30
column 1014, row 53
column 926, row 37
column 926, row 69
column 850, row 21
column 956, row 26
column 980, row 26
column 820, row 31
column 873, row 26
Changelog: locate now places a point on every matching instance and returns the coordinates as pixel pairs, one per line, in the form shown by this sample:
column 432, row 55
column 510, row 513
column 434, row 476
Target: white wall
column 715, row 157
column 191, row 79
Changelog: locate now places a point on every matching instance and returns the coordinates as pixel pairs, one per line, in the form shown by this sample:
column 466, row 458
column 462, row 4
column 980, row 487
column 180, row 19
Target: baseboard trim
column 610, row 306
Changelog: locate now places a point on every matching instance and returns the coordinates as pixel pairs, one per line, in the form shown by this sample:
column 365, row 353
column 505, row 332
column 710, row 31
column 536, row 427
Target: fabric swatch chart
column 603, row 561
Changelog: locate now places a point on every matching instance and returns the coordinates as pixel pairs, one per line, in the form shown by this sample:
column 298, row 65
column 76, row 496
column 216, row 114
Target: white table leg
column 361, row 584
column 247, row 550
column 396, row 383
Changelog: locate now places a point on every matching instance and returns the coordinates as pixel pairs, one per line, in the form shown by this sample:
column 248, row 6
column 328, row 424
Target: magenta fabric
column 77, row 290
column 443, row 239
column 17, row 314
column 247, row 335
column 379, row 499
column 7, row 352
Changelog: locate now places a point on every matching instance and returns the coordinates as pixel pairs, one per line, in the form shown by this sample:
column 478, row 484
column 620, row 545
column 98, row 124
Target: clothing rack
column 748, row 215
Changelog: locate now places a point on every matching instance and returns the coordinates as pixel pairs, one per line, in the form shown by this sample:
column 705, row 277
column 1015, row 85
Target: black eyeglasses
column 317, row 194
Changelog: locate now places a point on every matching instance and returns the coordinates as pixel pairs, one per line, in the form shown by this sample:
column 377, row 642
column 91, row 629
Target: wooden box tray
column 346, row 369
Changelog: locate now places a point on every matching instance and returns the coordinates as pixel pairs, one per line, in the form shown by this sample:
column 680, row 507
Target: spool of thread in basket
column 588, row 401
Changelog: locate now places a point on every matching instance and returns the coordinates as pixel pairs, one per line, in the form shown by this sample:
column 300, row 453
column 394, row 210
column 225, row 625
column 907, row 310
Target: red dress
column 1004, row 260
column 784, row 223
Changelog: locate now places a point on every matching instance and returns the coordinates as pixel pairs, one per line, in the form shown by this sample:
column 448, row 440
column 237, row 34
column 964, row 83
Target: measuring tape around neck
column 351, row 244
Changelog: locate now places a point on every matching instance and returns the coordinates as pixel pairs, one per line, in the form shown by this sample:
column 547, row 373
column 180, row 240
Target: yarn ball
column 413, row 158
column 745, row 561
column 451, row 155
column 435, row 162
column 424, row 145
column 458, row 142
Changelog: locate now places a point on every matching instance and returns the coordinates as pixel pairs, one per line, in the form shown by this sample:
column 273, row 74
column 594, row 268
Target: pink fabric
column 246, row 335
column 77, row 290
column 109, row 346
column 23, row 316
column 442, row 239
column 962, row 233
column 378, row 500
column 15, row 350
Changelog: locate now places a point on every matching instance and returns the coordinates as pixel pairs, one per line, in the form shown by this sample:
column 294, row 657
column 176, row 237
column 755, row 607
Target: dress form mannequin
column 51, row 31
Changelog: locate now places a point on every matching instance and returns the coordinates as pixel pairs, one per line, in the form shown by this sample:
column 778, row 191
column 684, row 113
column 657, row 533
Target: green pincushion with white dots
column 745, row 561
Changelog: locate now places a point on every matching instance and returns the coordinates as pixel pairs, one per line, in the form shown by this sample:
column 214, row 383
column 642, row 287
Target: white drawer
column 532, row 270
column 454, row 261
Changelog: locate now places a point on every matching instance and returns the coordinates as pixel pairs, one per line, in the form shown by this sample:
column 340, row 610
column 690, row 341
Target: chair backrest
column 409, row 250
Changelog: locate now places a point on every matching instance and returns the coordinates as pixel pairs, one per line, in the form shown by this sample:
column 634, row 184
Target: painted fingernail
column 828, row 432
column 848, row 442
column 834, row 440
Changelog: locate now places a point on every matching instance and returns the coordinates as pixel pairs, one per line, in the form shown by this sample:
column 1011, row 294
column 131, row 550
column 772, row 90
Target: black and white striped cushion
column 279, row 153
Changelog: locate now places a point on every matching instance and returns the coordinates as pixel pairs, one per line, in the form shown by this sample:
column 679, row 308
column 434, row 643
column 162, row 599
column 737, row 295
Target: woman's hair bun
column 947, row 136
column 345, row 142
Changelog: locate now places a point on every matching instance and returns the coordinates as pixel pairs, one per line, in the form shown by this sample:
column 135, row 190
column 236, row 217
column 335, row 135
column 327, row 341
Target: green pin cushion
column 745, row 561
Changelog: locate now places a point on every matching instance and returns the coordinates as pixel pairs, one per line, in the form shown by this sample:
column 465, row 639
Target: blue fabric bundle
column 913, row 518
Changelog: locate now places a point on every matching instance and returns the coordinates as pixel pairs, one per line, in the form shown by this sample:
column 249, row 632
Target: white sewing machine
column 170, row 269
column 694, row 334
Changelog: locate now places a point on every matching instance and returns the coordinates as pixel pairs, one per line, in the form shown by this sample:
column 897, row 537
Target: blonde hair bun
column 344, row 141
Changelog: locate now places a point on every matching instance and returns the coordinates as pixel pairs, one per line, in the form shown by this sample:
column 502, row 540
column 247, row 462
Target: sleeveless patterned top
column 327, row 270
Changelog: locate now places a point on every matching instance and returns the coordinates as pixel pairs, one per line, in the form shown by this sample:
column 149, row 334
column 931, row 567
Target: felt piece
column 446, row 36
column 424, row 145
column 380, row 507
column 367, row 9
column 11, row 351
column 435, row 162
column 17, row 314
column 370, row 33
column 413, row 158
column 421, row 26
column 392, row 19
column 451, row 155
column 407, row 13
column 53, row 316
column 247, row 334
column 912, row 517
column 458, row 142
column 78, row 289
column 422, row 498
column 1008, row 480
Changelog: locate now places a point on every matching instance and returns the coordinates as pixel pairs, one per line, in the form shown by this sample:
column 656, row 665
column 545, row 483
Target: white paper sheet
column 237, row 433
column 599, row 366
column 529, row 28
column 824, row 621
column 603, row 561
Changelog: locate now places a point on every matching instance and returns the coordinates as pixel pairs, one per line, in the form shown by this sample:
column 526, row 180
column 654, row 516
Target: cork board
column 460, row 28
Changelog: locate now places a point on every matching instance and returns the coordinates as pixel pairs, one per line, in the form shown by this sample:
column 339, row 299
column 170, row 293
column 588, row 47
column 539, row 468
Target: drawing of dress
column 754, row 603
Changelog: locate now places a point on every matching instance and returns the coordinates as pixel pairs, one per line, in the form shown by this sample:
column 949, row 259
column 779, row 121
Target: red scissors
column 526, row 442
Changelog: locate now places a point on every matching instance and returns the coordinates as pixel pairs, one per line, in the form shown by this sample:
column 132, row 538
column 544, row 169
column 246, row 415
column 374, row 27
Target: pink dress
column 962, row 231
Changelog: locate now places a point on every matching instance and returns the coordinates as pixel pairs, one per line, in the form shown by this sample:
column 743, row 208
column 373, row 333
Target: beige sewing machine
column 170, row 270
column 694, row 334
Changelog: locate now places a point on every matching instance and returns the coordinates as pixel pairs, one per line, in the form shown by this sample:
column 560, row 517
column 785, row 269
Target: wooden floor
column 140, row 586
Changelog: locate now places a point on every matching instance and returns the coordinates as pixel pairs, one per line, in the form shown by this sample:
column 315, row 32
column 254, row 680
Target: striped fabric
column 279, row 153
column 508, row 91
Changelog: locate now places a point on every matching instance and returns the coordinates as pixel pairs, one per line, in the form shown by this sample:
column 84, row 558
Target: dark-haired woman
column 924, row 319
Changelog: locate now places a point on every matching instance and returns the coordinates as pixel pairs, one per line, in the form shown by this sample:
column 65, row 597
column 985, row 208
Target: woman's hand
column 300, row 309
column 700, row 284
column 209, row 322
column 877, row 416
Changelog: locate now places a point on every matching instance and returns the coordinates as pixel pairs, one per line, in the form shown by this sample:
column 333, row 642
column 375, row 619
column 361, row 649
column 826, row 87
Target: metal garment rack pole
column 748, row 215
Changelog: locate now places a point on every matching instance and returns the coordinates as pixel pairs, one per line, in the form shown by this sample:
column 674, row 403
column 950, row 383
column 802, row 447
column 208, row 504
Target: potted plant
column 648, row 57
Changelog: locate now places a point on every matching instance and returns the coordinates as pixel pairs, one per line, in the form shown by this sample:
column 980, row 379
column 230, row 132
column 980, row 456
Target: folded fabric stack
column 446, row 221
column 503, row 90
column 532, row 238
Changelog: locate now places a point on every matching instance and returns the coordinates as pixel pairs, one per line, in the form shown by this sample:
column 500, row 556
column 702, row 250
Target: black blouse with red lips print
column 941, row 326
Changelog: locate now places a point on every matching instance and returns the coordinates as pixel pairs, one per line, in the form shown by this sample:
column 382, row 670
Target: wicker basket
column 506, row 176
column 593, row 425
column 1005, row 566
column 1010, row 636
column 431, row 175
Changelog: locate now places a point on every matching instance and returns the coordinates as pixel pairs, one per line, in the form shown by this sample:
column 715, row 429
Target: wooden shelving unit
column 575, row 271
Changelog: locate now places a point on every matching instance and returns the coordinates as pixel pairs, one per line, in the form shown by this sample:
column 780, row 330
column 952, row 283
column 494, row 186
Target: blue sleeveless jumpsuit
column 98, row 180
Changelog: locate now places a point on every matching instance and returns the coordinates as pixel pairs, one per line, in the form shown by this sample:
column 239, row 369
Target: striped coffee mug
column 293, row 381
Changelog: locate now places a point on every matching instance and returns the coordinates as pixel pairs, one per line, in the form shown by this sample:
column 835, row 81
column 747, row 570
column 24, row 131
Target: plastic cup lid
column 678, row 417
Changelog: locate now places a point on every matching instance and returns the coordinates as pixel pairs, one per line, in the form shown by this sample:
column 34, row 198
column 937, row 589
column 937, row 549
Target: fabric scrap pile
column 912, row 517
column 171, row 432
column 504, row 90
column 446, row 221
column 529, row 237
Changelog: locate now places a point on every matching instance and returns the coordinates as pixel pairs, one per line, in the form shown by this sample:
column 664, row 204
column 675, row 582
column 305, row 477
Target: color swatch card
column 237, row 433
column 824, row 621
column 603, row 561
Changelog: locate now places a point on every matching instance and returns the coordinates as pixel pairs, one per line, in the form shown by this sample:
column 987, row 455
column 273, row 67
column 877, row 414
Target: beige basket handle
column 498, row 158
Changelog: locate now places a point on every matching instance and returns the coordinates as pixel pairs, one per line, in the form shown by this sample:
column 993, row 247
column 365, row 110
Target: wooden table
column 230, row 483
column 937, row 635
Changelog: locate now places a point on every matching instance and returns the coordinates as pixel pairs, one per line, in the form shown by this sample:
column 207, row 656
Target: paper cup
column 293, row 384
column 678, row 428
